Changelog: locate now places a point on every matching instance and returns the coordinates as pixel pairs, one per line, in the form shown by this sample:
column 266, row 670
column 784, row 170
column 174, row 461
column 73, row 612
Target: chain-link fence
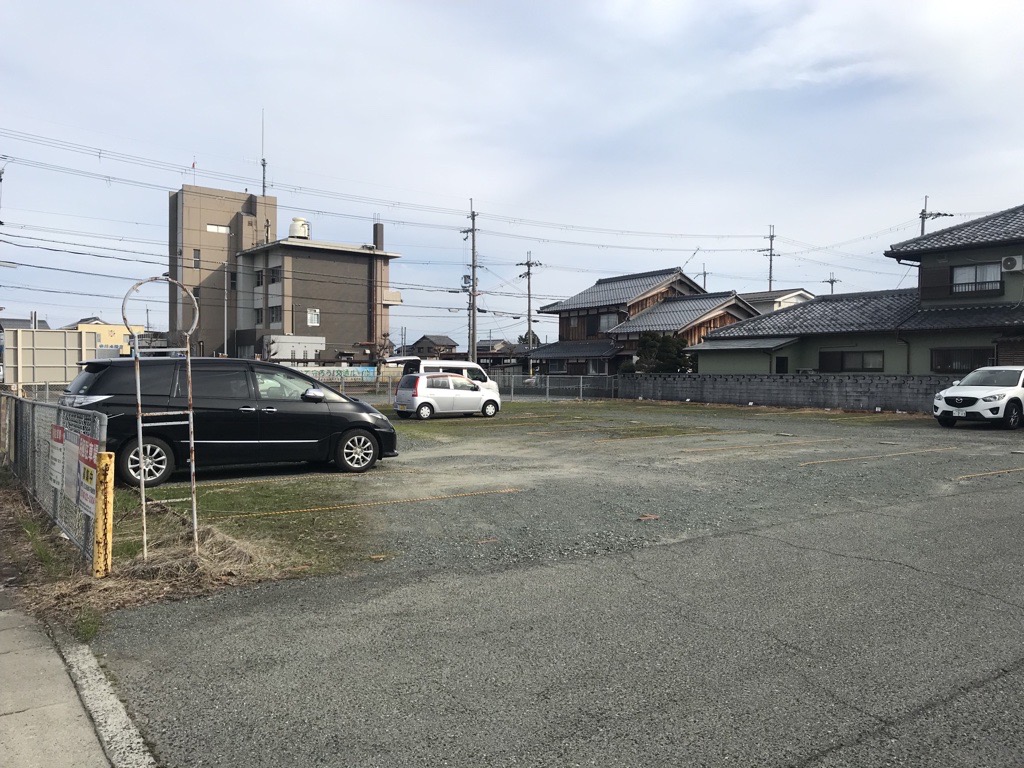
column 47, row 392
column 53, row 451
column 555, row 387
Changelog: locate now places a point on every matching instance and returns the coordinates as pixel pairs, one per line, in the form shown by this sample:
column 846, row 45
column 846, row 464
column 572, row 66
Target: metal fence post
column 103, row 523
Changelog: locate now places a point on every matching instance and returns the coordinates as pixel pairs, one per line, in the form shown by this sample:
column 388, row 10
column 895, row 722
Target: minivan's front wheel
column 155, row 459
column 356, row 452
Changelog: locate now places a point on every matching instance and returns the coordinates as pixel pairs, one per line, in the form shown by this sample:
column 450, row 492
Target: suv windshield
column 991, row 378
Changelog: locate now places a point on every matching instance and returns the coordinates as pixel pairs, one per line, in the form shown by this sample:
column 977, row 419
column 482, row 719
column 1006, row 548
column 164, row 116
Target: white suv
column 994, row 394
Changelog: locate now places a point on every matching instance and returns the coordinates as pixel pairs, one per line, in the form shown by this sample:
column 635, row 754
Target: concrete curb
column 121, row 739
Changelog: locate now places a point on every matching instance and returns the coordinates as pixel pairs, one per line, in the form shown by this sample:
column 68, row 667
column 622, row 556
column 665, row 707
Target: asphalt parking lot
column 619, row 584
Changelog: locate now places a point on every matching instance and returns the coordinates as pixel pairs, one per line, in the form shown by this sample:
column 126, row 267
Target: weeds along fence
column 55, row 452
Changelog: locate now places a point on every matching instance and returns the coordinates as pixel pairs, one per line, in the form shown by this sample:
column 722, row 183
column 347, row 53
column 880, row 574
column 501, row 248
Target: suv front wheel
column 155, row 459
column 1012, row 415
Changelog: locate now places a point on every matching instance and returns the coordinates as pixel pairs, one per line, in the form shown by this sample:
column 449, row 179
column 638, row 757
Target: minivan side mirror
column 313, row 395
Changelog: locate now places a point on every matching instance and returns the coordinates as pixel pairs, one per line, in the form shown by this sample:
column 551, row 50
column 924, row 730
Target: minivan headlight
column 379, row 415
column 993, row 398
column 81, row 401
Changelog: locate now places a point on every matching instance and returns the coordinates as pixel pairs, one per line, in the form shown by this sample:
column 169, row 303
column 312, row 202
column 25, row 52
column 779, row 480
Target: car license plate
column 401, row 407
column 959, row 413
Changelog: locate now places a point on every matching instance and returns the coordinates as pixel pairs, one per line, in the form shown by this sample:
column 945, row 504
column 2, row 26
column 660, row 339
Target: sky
column 593, row 138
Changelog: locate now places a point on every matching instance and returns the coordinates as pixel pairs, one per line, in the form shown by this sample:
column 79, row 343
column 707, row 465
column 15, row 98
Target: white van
column 461, row 367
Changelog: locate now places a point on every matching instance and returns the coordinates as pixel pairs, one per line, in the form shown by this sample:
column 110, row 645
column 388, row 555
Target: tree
column 524, row 340
column 662, row 354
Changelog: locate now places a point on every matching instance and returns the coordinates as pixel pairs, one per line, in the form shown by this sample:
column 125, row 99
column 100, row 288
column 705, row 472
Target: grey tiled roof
column 966, row 317
column 17, row 323
column 1003, row 227
column 768, row 342
column 572, row 350
column 439, row 341
column 841, row 313
column 675, row 313
column 612, row 291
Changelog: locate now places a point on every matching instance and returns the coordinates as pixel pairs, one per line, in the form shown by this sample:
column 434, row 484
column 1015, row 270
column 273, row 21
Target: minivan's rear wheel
column 490, row 408
column 357, row 451
column 1012, row 415
column 155, row 459
column 425, row 411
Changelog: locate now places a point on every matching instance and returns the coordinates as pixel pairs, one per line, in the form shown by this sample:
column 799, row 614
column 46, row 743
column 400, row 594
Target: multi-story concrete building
column 252, row 288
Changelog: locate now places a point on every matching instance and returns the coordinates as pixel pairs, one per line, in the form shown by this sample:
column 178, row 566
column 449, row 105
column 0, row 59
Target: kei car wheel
column 155, row 459
column 357, row 451
column 946, row 422
column 490, row 408
column 1012, row 416
column 425, row 411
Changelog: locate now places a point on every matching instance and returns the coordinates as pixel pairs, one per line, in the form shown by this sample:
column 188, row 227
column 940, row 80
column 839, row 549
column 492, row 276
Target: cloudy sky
column 599, row 137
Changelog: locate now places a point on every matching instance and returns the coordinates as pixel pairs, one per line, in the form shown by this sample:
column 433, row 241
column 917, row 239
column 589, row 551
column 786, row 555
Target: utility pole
column 770, row 250
column 832, row 280
column 925, row 214
column 703, row 275
column 472, row 281
column 528, row 274
column 263, row 154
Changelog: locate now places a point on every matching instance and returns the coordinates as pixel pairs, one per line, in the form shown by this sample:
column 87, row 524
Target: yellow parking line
column 986, row 474
column 876, row 456
column 363, row 504
column 760, row 445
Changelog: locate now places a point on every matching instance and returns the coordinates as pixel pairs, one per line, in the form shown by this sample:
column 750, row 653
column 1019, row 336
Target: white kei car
column 994, row 394
column 425, row 394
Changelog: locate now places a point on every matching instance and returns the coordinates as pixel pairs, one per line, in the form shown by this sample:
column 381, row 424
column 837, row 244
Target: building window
column 977, row 277
column 259, row 315
column 574, row 320
column 275, row 314
column 963, row 360
column 195, row 292
column 608, row 321
column 851, row 362
column 234, row 280
column 219, row 228
column 259, row 277
column 275, row 275
column 196, row 261
column 556, row 366
column 312, row 317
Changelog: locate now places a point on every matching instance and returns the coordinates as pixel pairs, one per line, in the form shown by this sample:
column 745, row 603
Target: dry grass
column 52, row 580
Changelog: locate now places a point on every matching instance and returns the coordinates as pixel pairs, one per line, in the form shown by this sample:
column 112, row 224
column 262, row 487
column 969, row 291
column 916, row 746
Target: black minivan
column 244, row 412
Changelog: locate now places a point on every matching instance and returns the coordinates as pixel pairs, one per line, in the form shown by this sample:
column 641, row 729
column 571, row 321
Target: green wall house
column 967, row 311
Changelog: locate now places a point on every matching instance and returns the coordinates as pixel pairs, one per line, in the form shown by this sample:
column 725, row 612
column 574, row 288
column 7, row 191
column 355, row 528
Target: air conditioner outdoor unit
column 1013, row 263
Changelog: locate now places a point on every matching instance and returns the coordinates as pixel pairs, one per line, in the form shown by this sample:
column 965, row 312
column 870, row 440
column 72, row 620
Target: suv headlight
column 994, row 398
column 938, row 395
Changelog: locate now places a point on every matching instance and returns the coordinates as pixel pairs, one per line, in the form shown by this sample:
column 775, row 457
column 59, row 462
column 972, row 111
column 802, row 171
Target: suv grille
column 961, row 402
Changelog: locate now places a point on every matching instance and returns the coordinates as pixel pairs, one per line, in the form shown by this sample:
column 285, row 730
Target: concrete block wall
column 854, row 392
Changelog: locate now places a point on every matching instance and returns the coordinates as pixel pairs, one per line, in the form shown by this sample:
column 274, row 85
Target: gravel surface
column 752, row 588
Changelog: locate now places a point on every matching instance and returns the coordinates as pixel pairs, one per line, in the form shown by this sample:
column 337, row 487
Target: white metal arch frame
column 138, row 403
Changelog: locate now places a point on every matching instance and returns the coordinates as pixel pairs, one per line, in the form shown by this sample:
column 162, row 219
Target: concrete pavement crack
column 885, row 561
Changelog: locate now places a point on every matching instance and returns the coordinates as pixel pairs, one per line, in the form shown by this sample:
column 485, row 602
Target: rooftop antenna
column 263, row 154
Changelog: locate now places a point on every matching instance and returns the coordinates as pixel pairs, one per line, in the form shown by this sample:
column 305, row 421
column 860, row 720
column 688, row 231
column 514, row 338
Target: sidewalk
column 43, row 723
